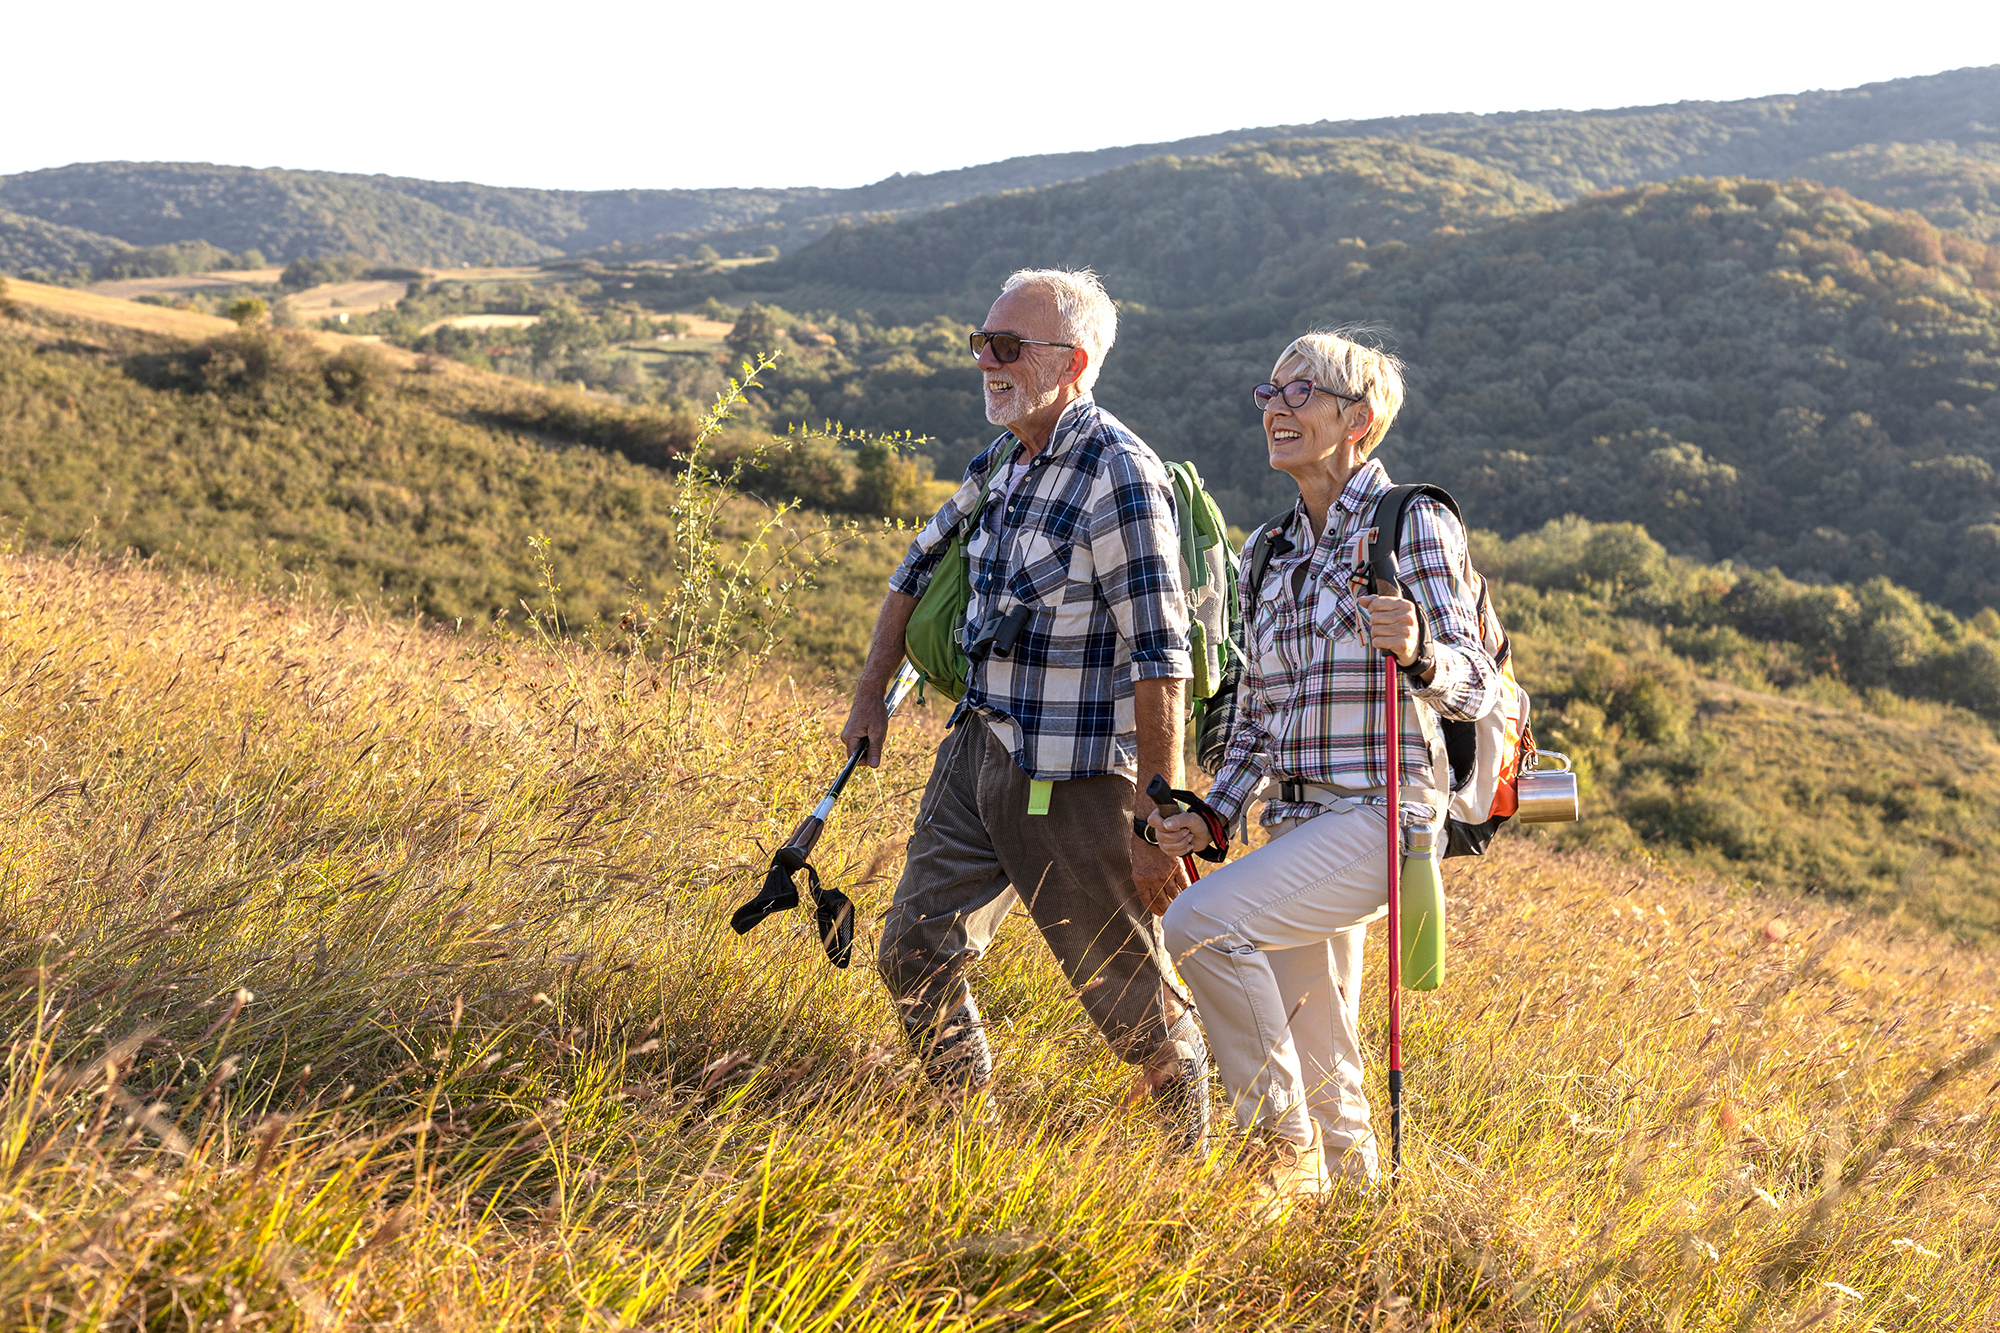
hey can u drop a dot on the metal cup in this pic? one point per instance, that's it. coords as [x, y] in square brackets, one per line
[1548, 795]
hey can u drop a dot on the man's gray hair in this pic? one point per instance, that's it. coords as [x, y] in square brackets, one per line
[1083, 309]
[1335, 359]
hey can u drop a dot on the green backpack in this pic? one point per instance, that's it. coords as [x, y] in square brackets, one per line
[931, 641]
[1208, 573]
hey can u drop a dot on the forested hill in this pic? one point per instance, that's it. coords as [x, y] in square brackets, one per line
[289, 214]
[1932, 143]
[1772, 374]
[1776, 374]
[1568, 153]
[1174, 231]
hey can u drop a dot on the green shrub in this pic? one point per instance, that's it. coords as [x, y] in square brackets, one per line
[313, 270]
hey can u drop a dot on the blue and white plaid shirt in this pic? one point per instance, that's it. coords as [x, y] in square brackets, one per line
[1088, 540]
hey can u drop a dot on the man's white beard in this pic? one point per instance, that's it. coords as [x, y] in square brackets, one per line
[1026, 399]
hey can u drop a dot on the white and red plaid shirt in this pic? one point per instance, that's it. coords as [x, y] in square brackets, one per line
[1311, 698]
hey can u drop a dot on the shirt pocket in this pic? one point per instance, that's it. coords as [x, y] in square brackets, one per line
[1336, 611]
[1041, 571]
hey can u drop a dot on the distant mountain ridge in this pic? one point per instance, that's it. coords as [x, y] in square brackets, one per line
[286, 214]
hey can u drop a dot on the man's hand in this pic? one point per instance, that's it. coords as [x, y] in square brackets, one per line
[1392, 624]
[1157, 877]
[1156, 707]
[868, 720]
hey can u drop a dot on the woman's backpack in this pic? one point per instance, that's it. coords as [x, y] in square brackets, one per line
[1487, 754]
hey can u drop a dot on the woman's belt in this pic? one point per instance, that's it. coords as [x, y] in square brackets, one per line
[1298, 791]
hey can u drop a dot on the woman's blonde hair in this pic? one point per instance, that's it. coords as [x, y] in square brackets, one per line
[1334, 360]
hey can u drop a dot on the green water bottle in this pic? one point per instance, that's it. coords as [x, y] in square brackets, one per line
[1423, 913]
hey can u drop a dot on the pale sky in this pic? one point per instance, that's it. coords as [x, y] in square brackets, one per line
[597, 94]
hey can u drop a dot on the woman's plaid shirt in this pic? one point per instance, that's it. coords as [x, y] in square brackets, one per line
[1088, 540]
[1311, 698]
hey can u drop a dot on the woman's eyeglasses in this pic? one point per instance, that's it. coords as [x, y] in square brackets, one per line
[1006, 347]
[1296, 394]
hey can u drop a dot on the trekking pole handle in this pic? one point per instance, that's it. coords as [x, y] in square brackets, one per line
[1389, 575]
[799, 847]
[1161, 794]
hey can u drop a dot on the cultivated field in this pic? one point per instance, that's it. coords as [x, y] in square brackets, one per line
[346, 298]
[124, 289]
[362, 975]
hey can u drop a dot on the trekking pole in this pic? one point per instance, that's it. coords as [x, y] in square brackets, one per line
[832, 907]
[1388, 570]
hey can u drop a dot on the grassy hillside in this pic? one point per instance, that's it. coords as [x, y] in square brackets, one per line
[1832, 741]
[282, 456]
[369, 975]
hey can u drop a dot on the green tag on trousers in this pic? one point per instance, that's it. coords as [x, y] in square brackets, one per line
[1038, 796]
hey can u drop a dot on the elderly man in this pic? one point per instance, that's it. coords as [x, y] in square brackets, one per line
[1078, 635]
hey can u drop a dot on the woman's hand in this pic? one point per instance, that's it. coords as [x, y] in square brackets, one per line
[1183, 834]
[1392, 625]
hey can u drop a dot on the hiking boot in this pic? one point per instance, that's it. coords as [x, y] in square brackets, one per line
[1289, 1172]
[957, 1061]
[1353, 1168]
[1181, 1096]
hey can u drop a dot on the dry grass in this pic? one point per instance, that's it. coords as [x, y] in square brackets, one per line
[360, 975]
[189, 325]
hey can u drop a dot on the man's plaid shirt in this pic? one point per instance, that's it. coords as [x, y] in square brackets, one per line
[1311, 697]
[1087, 539]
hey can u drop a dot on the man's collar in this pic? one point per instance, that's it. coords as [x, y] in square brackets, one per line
[1072, 424]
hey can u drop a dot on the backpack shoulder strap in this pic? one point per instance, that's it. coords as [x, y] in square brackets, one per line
[1271, 542]
[1387, 531]
[969, 521]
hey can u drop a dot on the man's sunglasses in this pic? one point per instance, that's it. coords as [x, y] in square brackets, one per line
[1296, 394]
[1006, 347]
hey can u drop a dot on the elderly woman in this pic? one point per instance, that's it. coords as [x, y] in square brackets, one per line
[1270, 945]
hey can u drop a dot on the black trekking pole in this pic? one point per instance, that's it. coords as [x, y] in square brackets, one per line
[835, 913]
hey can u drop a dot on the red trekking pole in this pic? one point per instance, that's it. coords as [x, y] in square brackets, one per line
[1392, 718]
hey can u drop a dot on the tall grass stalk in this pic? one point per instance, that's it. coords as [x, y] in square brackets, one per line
[360, 975]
